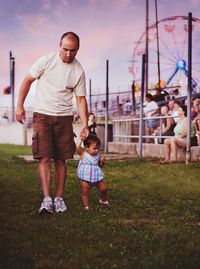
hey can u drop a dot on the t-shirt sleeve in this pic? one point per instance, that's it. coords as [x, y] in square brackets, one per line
[37, 69]
[80, 89]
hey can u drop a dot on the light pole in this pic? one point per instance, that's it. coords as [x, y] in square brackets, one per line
[12, 83]
[90, 94]
[107, 107]
[189, 90]
[158, 49]
[147, 48]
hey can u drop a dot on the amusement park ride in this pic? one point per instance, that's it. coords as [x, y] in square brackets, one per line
[173, 54]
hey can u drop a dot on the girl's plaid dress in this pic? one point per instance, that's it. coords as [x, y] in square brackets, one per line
[89, 170]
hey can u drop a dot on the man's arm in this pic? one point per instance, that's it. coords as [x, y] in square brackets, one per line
[24, 89]
[83, 112]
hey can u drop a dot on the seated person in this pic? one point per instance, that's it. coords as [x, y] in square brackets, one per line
[179, 140]
[173, 109]
[196, 123]
[194, 108]
[167, 127]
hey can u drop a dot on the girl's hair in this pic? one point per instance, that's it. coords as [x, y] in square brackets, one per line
[166, 107]
[184, 108]
[91, 139]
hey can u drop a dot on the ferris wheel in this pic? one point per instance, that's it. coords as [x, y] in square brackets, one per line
[173, 54]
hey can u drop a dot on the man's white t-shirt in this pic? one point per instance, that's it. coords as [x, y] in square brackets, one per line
[150, 109]
[57, 83]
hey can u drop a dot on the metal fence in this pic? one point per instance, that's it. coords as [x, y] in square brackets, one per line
[127, 130]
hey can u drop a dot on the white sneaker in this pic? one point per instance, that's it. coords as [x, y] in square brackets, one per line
[103, 202]
[46, 206]
[59, 205]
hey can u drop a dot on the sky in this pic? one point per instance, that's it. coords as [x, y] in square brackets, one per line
[109, 30]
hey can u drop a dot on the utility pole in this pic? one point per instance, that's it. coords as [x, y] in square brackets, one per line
[133, 97]
[12, 83]
[147, 48]
[90, 94]
[107, 107]
[141, 109]
[188, 149]
[158, 48]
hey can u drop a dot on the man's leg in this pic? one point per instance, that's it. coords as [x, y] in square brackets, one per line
[44, 170]
[61, 174]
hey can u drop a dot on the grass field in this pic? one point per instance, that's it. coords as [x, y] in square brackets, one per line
[153, 221]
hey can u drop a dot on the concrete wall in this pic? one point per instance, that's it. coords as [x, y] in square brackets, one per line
[150, 150]
[15, 133]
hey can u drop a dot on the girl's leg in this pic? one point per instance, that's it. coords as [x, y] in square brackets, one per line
[167, 147]
[85, 186]
[174, 148]
[175, 144]
[101, 186]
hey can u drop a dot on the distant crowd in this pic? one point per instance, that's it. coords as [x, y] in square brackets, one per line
[173, 126]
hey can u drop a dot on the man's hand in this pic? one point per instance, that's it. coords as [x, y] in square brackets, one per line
[24, 89]
[20, 115]
[84, 133]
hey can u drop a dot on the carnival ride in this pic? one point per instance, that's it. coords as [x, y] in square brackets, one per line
[173, 54]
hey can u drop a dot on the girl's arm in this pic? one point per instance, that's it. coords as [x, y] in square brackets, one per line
[79, 149]
[102, 161]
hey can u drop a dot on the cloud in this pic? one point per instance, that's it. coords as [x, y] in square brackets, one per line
[103, 38]
[194, 2]
[46, 5]
[32, 23]
[60, 8]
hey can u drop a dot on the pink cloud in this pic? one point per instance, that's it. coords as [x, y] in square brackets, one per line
[32, 23]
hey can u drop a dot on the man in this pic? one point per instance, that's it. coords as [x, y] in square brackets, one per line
[60, 76]
[151, 110]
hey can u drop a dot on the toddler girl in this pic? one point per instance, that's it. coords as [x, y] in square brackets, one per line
[89, 169]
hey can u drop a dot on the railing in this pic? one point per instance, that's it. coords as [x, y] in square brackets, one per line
[126, 129]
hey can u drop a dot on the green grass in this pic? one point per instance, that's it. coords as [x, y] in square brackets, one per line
[153, 221]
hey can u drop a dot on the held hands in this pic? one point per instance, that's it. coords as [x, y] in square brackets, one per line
[20, 115]
[84, 133]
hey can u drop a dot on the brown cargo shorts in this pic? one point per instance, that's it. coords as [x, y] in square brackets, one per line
[53, 137]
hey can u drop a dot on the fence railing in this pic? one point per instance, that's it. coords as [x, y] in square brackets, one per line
[127, 130]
